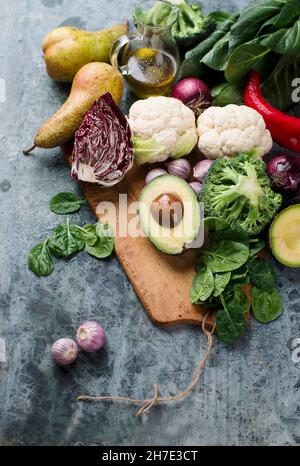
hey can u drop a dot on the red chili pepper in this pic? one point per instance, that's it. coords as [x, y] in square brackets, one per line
[285, 129]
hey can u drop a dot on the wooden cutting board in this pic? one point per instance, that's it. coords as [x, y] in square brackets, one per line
[161, 281]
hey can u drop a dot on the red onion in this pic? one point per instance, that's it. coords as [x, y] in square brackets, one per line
[201, 169]
[154, 174]
[180, 167]
[284, 172]
[64, 351]
[196, 186]
[90, 336]
[194, 93]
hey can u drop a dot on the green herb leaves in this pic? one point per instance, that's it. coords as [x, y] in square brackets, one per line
[65, 203]
[40, 260]
[266, 306]
[68, 239]
[224, 256]
[203, 286]
[104, 242]
[226, 267]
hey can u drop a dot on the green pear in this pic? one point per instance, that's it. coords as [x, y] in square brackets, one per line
[91, 82]
[67, 49]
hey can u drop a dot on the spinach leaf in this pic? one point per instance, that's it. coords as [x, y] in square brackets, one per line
[230, 322]
[104, 245]
[89, 233]
[221, 280]
[240, 300]
[217, 57]
[226, 93]
[284, 41]
[288, 14]
[65, 203]
[219, 16]
[224, 256]
[214, 224]
[66, 240]
[229, 234]
[277, 89]
[203, 285]
[40, 260]
[252, 19]
[255, 246]
[191, 66]
[262, 274]
[266, 306]
[245, 58]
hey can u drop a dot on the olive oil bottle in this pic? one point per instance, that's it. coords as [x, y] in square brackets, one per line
[151, 72]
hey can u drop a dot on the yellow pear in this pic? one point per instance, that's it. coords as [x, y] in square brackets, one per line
[66, 49]
[91, 82]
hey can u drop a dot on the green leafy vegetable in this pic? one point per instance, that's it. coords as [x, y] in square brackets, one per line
[105, 242]
[255, 245]
[252, 19]
[227, 93]
[262, 273]
[193, 65]
[266, 306]
[284, 41]
[66, 240]
[265, 36]
[65, 203]
[203, 285]
[230, 321]
[277, 88]
[244, 59]
[40, 260]
[225, 256]
[226, 291]
[221, 280]
[89, 233]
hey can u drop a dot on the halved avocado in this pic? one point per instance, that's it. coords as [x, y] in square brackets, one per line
[285, 236]
[169, 213]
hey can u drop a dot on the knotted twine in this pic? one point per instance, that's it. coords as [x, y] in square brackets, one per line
[149, 403]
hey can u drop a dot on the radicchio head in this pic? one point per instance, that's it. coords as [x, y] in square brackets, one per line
[103, 149]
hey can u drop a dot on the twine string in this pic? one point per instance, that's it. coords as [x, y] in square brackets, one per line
[148, 404]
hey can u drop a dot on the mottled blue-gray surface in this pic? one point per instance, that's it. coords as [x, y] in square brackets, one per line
[248, 394]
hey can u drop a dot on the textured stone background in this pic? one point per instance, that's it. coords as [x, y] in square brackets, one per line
[249, 393]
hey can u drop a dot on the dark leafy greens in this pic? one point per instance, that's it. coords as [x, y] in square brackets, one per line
[65, 203]
[265, 36]
[266, 305]
[226, 267]
[66, 240]
[40, 260]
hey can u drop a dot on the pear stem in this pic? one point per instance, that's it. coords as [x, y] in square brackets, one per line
[27, 151]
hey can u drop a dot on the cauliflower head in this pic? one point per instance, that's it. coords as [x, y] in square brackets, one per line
[162, 127]
[232, 130]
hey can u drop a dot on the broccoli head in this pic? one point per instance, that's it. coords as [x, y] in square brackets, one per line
[239, 191]
[191, 26]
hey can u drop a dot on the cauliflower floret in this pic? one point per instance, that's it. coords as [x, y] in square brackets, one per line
[162, 127]
[231, 130]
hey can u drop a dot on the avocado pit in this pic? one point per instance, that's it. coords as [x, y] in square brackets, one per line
[167, 210]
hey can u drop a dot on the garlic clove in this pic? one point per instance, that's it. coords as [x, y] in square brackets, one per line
[196, 186]
[180, 167]
[64, 351]
[90, 336]
[201, 169]
[154, 174]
